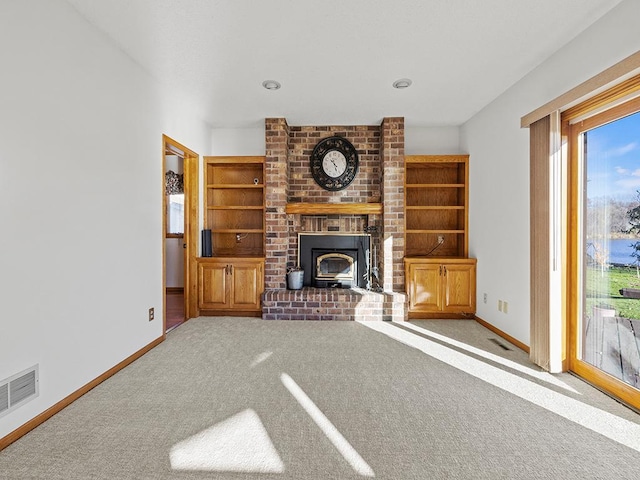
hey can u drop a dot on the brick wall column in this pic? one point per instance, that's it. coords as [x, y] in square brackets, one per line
[392, 188]
[276, 187]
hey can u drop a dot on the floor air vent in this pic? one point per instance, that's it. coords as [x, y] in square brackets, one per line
[499, 343]
[18, 389]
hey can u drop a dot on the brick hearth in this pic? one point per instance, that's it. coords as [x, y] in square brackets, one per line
[380, 179]
[331, 304]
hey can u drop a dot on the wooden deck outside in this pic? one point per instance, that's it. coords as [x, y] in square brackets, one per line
[612, 344]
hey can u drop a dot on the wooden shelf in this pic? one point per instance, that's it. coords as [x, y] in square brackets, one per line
[436, 204]
[234, 204]
[435, 207]
[233, 161]
[334, 208]
[435, 185]
[235, 207]
[235, 185]
[237, 230]
[430, 160]
[435, 231]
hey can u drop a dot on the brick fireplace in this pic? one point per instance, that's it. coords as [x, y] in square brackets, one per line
[372, 204]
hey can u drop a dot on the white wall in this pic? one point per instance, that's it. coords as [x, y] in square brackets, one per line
[80, 163]
[418, 141]
[174, 262]
[238, 141]
[499, 164]
[432, 141]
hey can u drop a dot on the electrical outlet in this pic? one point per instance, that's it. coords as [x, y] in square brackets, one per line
[499, 305]
[485, 298]
[151, 314]
[505, 307]
[238, 238]
[440, 238]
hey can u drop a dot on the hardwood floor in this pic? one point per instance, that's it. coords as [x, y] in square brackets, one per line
[175, 310]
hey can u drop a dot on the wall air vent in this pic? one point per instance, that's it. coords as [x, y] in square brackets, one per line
[4, 398]
[18, 389]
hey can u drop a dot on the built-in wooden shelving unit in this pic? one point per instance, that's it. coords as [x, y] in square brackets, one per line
[436, 205]
[234, 205]
[439, 276]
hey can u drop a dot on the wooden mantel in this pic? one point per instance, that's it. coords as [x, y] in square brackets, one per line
[334, 208]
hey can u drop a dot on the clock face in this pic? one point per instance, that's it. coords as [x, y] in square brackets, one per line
[334, 163]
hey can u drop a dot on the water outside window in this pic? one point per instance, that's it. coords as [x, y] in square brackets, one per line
[611, 242]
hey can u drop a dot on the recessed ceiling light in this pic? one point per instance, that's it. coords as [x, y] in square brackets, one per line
[271, 85]
[402, 83]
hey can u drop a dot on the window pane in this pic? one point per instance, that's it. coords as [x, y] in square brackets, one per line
[611, 242]
[175, 214]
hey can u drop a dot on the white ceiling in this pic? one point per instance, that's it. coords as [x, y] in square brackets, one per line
[337, 59]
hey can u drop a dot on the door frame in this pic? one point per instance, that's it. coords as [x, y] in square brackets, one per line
[572, 132]
[191, 162]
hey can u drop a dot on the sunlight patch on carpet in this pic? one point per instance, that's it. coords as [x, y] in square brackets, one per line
[611, 426]
[237, 444]
[260, 358]
[349, 453]
[540, 375]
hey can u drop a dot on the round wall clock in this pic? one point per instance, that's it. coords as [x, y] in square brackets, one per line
[334, 163]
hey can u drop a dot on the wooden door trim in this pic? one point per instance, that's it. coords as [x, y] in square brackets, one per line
[590, 373]
[191, 182]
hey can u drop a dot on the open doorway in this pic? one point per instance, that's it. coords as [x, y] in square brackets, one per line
[174, 237]
[180, 167]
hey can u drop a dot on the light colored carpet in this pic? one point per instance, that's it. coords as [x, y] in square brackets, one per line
[236, 398]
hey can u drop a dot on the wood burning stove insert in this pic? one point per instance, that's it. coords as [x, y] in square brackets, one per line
[335, 261]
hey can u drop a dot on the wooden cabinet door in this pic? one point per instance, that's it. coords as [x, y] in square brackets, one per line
[459, 287]
[214, 286]
[247, 285]
[424, 287]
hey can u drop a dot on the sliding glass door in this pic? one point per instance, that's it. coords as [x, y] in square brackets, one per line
[605, 282]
